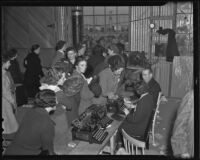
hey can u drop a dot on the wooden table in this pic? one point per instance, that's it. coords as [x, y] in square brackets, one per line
[84, 148]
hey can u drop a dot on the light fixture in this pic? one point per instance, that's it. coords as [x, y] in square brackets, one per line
[152, 25]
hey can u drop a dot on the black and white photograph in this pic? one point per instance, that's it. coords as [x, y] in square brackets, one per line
[99, 80]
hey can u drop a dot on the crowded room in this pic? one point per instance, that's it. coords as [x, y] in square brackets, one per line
[98, 80]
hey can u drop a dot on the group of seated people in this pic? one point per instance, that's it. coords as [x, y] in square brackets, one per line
[74, 82]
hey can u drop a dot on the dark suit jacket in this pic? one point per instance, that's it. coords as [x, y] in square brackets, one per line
[136, 122]
[35, 133]
[154, 89]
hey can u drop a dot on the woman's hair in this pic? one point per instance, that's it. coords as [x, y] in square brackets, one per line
[69, 49]
[121, 47]
[80, 45]
[5, 58]
[115, 62]
[98, 50]
[114, 48]
[45, 98]
[79, 59]
[12, 53]
[34, 47]
[60, 45]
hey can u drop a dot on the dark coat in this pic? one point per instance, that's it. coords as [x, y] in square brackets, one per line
[136, 122]
[71, 103]
[15, 72]
[172, 49]
[57, 58]
[154, 89]
[35, 134]
[33, 71]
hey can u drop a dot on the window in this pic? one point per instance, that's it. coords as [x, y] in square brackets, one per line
[184, 28]
[103, 21]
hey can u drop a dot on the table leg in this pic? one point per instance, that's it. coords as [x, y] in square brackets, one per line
[112, 145]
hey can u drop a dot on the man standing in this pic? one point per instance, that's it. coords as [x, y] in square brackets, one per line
[154, 87]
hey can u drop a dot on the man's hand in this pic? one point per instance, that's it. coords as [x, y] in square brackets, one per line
[126, 111]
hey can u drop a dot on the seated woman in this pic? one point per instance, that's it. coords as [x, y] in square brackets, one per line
[36, 131]
[136, 122]
[109, 79]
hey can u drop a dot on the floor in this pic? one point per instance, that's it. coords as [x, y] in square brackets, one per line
[163, 128]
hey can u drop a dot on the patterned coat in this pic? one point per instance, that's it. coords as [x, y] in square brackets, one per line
[182, 140]
[9, 123]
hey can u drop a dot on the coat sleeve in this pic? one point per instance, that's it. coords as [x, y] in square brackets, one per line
[47, 137]
[103, 82]
[154, 91]
[6, 90]
[86, 93]
[143, 109]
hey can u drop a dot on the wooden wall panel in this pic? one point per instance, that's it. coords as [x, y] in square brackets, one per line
[39, 32]
[16, 26]
[25, 26]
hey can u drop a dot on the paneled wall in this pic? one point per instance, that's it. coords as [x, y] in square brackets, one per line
[143, 38]
[25, 26]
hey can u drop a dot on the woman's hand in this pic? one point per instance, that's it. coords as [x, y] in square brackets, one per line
[111, 95]
[126, 111]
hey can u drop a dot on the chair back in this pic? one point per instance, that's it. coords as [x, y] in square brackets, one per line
[154, 117]
[131, 144]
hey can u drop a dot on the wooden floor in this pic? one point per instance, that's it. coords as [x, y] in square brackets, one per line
[163, 128]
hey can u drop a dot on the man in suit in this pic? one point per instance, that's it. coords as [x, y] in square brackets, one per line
[137, 121]
[154, 87]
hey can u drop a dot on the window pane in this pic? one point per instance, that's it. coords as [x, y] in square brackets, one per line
[184, 7]
[123, 10]
[87, 10]
[123, 19]
[111, 10]
[110, 21]
[183, 44]
[99, 20]
[99, 10]
[88, 24]
[184, 23]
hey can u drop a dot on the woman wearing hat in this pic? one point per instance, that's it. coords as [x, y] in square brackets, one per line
[36, 132]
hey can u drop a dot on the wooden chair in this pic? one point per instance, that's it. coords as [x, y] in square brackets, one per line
[132, 144]
[154, 118]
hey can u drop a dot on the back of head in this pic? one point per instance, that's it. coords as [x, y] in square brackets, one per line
[98, 50]
[114, 48]
[34, 47]
[115, 62]
[12, 53]
[60, 45]
[5, 58]
[45, 98]
[121, 47]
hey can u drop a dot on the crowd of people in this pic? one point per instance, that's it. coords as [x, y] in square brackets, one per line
[75, 81]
